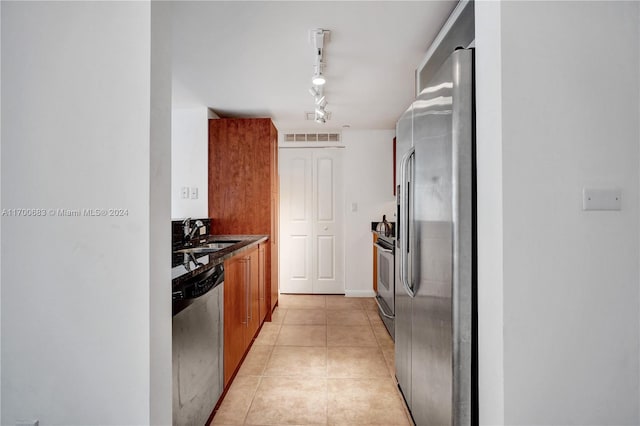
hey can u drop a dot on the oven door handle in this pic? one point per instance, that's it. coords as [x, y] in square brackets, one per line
[386, 250]
[382, 309]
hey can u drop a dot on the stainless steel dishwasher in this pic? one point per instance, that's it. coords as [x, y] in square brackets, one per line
[198, 340]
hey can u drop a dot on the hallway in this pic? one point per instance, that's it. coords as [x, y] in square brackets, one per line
[324, 360]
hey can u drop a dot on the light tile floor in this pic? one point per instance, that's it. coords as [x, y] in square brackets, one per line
[323, 360]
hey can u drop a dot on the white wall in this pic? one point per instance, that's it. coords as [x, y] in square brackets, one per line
[0, 216]
[189, 158]
[368, 182]
[489, 214]
[76, 291]
[568, 117]
[160, 306]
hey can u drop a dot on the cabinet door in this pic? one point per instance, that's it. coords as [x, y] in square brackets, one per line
[272, 255]
[253, 295]
[261, 283]
[235, 315]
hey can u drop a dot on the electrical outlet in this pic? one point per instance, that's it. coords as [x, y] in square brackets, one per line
[601, 199]
[194, 192]
[184, 192]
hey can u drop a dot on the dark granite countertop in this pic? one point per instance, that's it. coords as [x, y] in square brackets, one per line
[209, 259]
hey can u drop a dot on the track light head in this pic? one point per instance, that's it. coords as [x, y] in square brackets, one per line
[318, 79]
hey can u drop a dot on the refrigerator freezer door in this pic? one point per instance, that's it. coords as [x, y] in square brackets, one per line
[403, 300]
[441, 219]
[463, 236]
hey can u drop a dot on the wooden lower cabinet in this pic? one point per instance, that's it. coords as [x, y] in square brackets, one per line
[263, 299]
[242, 307]
[235, 314]
[253, 288]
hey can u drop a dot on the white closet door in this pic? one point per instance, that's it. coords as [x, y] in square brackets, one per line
[296, 220]
[311, 221]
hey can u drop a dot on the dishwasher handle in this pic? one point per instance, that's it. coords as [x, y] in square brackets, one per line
[382, 310]
[384, 249]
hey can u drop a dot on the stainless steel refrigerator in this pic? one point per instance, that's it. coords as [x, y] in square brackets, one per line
[435, 275]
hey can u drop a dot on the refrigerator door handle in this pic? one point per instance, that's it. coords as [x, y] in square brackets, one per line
[405, 220]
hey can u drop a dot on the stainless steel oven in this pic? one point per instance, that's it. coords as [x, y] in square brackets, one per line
[386, 281]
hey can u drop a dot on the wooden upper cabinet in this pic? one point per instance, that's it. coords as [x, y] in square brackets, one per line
[243, 182]
[239, 175]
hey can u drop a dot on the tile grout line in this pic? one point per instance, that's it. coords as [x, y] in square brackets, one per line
[261, 376]
[246, 415]
[264, 368]
[326, 368]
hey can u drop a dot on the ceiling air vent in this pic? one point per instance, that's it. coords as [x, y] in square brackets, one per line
[311, 137]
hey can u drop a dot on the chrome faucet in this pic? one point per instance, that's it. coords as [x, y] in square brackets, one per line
[188, 230]
[188, 258]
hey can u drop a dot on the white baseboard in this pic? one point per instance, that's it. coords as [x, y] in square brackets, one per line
[359, 293]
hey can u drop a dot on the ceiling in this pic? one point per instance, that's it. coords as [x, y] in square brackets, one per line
[254, 59]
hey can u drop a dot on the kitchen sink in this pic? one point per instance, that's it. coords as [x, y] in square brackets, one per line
[209, 247]
[219, 245]
[194, 250]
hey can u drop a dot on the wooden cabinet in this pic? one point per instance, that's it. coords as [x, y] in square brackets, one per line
[242, 316]
[262, 291]
[243, 187]
[235, 314]
[253, 298]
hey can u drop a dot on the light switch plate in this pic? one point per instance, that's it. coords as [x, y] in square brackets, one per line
[194, 192]
[28, 423]
[601, 199]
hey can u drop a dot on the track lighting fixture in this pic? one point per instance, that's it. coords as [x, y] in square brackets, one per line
[318, 37]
